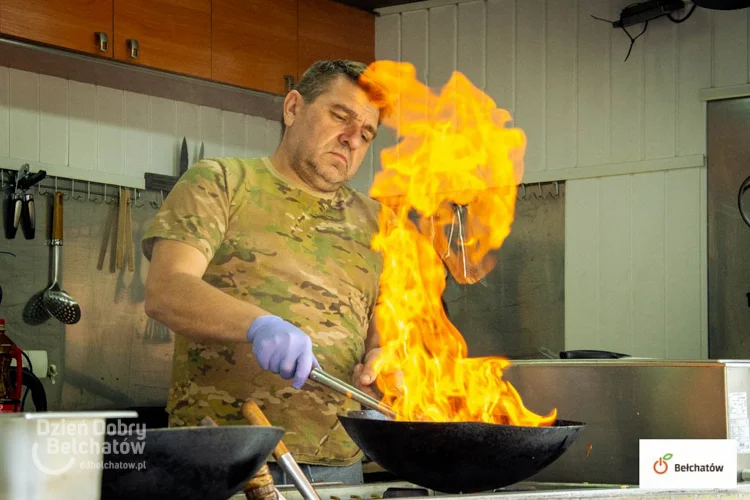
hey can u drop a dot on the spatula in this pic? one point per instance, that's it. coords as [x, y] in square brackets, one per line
[56, 300]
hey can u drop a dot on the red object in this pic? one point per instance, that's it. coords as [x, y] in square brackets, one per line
[10, 407]
[16, 354]
[11, 402]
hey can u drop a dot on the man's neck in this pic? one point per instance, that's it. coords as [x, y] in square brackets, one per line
[283, 166]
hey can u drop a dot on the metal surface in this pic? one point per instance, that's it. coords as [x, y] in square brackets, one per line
[519, 308]
[134, 48]
[349, 391]
[103, 41]
[187, 462]
[377, 490]
[298, 477]
[728, 235]
[56, 300]
[458, 457]
[624, 400]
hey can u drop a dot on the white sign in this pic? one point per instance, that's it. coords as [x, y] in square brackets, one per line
[687, 463]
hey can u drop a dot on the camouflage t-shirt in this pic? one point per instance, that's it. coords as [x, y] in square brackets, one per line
[298, 255]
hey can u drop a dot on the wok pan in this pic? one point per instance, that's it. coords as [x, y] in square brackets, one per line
[458, 457]
[450, 457]
[187, 462]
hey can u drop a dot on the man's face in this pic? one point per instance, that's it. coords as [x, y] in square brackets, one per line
[328, 138]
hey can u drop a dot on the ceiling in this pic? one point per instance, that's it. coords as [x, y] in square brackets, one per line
[370, 5]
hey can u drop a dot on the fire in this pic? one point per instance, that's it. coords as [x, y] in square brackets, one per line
[457, 161]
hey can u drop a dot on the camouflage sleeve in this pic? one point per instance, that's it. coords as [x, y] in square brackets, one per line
[196, 211]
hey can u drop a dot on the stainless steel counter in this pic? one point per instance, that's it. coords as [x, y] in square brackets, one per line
[624, 400]
[523, 490]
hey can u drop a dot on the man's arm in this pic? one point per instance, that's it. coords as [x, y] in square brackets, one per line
[177, 297]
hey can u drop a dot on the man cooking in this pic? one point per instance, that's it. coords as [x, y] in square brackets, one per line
[264, 270]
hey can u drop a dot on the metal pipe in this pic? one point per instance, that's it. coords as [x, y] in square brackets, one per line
[350, 392]
[298, 477]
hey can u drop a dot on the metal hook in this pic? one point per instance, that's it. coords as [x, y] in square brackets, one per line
[540, 195]
[523, 191]
[135, 199]
[108, 202]
[154, 203]
[95, 199]
[557, 191]
[73, 191]
[8, 253]
[63, 194]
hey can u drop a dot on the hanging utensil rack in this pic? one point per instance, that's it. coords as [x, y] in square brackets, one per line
[554, 190]
[88, 191]
[158, 186]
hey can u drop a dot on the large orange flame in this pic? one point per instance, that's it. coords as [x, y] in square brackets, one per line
[456, 161]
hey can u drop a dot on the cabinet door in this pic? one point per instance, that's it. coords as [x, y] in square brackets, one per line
[172, 35]
[330, 30]
[69, 24]
[255, 43]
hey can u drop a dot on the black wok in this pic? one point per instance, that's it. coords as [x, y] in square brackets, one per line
[460, 457]
[187, 462]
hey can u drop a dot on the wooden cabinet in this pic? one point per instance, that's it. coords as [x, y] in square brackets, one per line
[262, 45]
[329, 30]
[255, 43]
[71, 24]
[173, 35]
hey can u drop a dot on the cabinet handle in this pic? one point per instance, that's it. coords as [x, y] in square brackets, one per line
[289, 79]
[133, 47]
[103, 40]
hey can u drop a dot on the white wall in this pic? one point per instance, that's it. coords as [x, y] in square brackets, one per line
[628, 136]
[101, 134]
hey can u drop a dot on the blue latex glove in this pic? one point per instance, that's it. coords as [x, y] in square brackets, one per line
[282, 348]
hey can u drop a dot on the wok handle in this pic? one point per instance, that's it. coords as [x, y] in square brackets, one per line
[591, 354]
[260, 486]
[350, 392]
[254, 415]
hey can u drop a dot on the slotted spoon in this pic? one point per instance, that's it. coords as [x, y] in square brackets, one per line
[56, 300]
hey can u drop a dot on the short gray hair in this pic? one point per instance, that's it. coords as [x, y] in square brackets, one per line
[318, 77]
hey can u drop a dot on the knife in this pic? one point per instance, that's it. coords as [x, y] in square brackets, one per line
[183, 157]
[200, 153]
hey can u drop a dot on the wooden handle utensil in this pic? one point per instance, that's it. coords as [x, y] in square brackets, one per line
[57, 217]
[254, 415]
[261, 486]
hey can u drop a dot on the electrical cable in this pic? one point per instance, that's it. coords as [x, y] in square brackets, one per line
[31, 367]
[687, 16]
[38, 395]
[633, 39]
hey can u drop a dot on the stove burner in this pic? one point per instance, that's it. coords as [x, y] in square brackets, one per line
[405, 492]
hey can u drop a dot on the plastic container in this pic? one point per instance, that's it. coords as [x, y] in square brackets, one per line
[53, 455]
